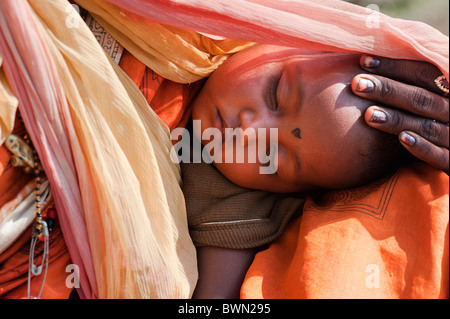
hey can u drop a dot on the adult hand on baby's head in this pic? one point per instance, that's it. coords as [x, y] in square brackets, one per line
[412, 105]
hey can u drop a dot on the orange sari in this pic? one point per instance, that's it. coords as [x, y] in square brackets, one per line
[385, 240]
[169, 100]
[14, 260]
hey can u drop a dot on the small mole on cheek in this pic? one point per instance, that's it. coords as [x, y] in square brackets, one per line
[296, 133]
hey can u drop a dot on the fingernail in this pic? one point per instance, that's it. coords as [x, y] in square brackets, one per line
[371, 62]
[407, 139]
[365, 85]
[378, 116]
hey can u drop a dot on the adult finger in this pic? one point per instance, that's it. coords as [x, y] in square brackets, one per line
[407, 97]
[438, 157]
[395, 122]
[417, 73]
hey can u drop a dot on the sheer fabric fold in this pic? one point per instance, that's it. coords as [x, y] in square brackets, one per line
[8, 107]
[178, 54]
[328, 25]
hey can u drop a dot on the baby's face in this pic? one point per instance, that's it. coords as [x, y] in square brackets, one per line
[322, 140]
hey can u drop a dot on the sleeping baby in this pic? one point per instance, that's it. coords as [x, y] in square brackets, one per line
[300, 104]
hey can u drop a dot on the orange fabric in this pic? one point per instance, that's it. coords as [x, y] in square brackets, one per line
[12, 179]
[14, 269]
[385, 240]
[14, 261]
[169, 100]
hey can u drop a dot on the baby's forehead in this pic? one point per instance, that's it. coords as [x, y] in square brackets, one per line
[261, 54]
[258, 57]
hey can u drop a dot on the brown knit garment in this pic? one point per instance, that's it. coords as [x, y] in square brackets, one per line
[222, 214]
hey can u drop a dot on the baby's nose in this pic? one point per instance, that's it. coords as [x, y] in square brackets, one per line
[256, 118]
[247, 118]
[254, 125]
[249, 125]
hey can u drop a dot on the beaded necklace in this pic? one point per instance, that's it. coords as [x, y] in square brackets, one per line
[39, 233]
[24, 155]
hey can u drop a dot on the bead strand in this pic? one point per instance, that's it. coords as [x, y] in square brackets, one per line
[39, 219]
[40, 229]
